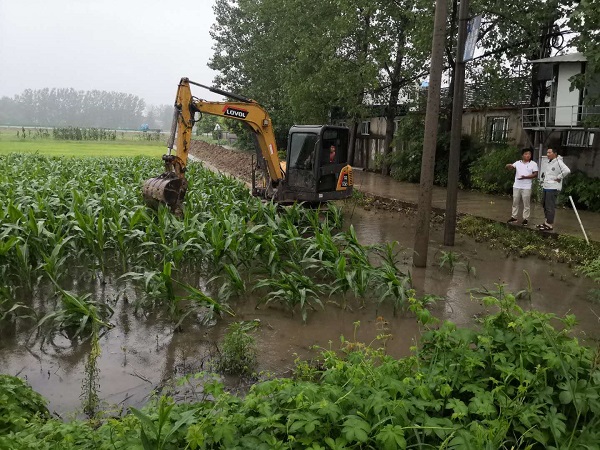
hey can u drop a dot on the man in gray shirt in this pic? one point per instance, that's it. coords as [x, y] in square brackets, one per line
[553, 175]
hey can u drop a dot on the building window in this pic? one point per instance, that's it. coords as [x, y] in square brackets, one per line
[365, 127]
[497, 129]
[577, 138]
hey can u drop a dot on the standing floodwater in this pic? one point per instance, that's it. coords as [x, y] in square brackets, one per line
[142, 353]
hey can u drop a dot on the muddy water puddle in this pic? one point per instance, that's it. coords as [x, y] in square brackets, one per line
[555, 287]
[140, 354]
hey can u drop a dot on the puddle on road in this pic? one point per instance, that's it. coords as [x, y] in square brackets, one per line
[139, 354]
[555, 287]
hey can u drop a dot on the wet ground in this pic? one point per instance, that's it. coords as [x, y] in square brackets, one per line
[141, 354]
[494, 207]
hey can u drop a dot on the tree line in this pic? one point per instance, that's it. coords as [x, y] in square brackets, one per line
[56, 107]
[304, 59]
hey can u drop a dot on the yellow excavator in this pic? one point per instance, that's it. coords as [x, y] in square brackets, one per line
[316, 168]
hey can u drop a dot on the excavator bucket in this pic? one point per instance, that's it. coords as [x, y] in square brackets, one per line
[168, 189]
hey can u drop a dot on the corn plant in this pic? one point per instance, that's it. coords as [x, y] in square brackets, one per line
[232, 284]
[195, 300]
[90, 224]
[393, 286]
[334, 217]
[24, 265]
[323, 246]
[157, 436]
[157, 285]
[342, 279]
[10, 309]
[449, 259]
[55, 263]
[292, 289]
[77, 315]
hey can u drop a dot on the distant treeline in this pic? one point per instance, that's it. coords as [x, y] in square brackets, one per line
[82, 134]
[69, 107]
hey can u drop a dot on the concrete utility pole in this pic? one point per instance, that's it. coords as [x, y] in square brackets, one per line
[456, 132]
[431, 131]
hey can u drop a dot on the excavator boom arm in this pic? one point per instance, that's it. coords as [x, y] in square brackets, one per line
[170, 187]
[243, 109]
[258, 120]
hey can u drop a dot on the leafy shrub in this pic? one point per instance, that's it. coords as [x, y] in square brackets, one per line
[489, 174]
[239, 351]
[470, 151]
[18, 404]
[405, 163]
[584, 190]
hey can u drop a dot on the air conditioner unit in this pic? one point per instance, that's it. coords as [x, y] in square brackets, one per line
[577, 138]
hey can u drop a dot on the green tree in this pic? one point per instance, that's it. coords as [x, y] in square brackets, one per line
[513, 33]
[586, 22]
[303, 59]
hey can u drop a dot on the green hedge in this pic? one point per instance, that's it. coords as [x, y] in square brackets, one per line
[489, 173]
[584, 190]
[405, 164]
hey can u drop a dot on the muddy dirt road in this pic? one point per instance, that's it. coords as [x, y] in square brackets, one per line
[233, 162]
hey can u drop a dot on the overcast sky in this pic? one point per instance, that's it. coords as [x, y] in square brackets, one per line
[141, 47]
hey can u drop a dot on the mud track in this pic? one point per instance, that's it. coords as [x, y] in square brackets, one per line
[233, 162]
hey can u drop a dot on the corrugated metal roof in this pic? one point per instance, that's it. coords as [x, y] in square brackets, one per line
[572, 57]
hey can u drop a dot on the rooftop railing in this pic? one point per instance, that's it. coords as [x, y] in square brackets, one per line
[576, 116]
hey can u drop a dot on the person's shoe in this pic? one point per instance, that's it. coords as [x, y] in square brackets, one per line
[524, 223]
[511, 220]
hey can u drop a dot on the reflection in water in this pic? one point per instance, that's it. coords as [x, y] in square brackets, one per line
[141, 353]
[91, 383]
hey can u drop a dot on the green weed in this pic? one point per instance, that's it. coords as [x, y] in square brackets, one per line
[449, 259]
[515, 382]
[238, 353]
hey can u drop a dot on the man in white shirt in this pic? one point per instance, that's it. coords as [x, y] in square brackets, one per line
[527, 170]
[554, 173]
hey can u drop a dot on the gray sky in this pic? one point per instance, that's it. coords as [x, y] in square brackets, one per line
[141, 47]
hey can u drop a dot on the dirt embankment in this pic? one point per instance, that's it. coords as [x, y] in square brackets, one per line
[233, 162]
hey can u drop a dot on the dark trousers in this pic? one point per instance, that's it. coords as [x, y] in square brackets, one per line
[549, 204]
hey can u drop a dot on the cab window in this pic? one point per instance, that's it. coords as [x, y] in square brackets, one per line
[302, 151]
[339, 140]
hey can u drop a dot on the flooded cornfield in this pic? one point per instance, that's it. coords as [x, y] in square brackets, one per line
[143, 352]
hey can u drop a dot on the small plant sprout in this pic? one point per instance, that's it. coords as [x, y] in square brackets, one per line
[449, 259]
[527, 293]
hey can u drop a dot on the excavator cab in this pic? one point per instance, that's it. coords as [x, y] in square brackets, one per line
[317, 167]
